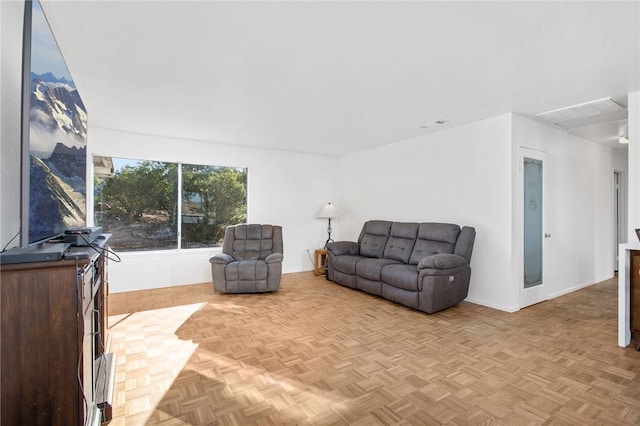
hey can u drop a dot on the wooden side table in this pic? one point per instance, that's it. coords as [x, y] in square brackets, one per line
[319, 260]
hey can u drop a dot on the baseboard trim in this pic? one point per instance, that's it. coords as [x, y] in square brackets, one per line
[508, 309]
[512, 309]
[577, 287]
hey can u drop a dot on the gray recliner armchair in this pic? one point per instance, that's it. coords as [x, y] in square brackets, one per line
[251, 259]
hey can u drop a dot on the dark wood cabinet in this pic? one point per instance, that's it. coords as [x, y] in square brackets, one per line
[53, 340]
[634, 302]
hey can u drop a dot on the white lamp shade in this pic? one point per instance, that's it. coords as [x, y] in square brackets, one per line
[329, 211]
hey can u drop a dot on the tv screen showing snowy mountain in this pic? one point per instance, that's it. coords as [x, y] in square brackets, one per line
[57, 139]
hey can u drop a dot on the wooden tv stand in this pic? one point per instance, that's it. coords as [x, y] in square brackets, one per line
[55, 369]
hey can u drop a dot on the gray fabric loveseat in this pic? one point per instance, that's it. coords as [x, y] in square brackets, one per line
[424, 266]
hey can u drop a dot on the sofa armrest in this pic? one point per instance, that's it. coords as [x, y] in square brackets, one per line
[274, 257]
[339, 248]
[464, 244]
[221, 258]
[442, 261]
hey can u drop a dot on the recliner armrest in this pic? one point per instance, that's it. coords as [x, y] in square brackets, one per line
[339, 248]
[442, 261]
[274, 257]
[221, 258]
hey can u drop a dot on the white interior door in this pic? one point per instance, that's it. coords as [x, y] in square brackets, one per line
[535, 235]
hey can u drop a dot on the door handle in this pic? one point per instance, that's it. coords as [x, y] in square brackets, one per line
[547, 235]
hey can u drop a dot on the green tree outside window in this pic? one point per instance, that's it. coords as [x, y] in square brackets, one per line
[138, 204]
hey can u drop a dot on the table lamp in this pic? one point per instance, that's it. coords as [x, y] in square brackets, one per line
[329, 211]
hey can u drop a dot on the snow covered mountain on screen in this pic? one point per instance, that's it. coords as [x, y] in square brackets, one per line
[58, 140]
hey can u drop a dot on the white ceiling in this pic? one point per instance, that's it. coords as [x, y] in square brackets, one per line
[338, 77]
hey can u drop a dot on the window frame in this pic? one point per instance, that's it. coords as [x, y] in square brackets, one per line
[179, 199]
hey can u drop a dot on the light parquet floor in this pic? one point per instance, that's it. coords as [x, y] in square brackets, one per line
[320, 354]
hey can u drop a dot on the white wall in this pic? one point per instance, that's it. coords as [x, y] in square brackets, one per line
[284, 188]
[460, 175]
[579, 197]
[11, 20]
[465, 175]
[469, 175]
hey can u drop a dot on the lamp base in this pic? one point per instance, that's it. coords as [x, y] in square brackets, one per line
[329, 232]
[328, 241]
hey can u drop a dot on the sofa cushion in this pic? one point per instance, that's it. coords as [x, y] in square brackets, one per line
[401, 276]
[347, 280]
[246, 270]
[402, 238]
[434, 238]
[346, 264]
[398, 295]
[252, 242]
[373, 238]
[371, 268]
[370, 286]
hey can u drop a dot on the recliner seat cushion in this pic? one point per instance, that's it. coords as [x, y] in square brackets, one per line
[371, 268]
[348, 280]
[398, 295]
[346, 264]
[401, 276]
[246, 270]
[369, 286]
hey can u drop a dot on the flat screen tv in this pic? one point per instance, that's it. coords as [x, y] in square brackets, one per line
[54, 137]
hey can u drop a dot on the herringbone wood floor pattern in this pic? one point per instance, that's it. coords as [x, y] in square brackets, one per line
[320, 354]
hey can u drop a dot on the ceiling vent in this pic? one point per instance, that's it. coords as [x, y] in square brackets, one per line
[585, 114]
[433, 124]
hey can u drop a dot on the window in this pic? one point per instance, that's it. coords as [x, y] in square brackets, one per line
[212, 198]
[137, 202]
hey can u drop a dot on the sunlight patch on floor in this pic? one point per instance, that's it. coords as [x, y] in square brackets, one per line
[146, 342]
[259, 386]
